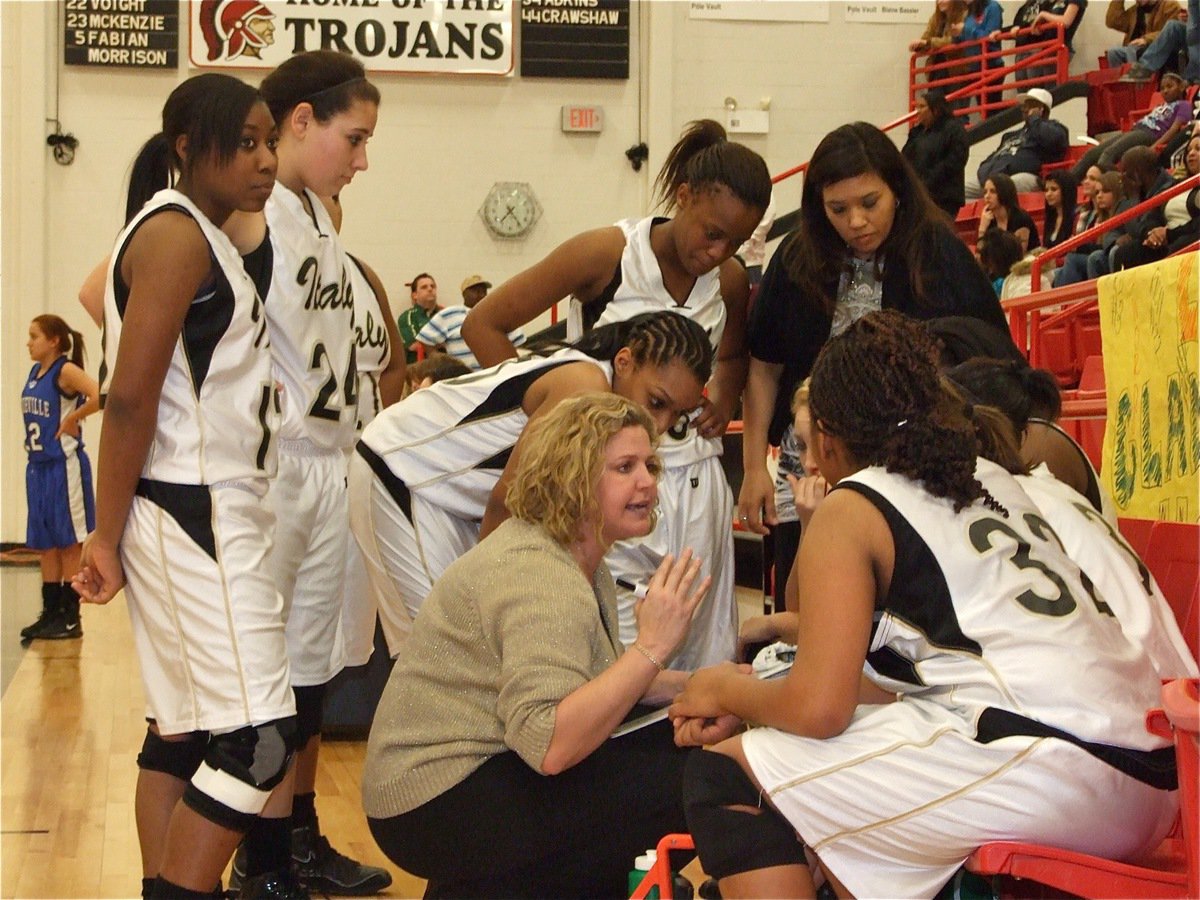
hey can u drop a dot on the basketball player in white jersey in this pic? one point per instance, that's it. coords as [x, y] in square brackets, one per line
[1003, 699]
[186, 452]
[326, 110]
[430, 474]
[718, 191]
[381, 380]
[1098, 548]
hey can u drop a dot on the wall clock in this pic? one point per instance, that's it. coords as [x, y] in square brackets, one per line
[510, 209]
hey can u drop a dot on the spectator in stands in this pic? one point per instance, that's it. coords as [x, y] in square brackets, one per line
[1144, 178]
[423, 291]
[1174, 37]
[1157, 128]
[1061, 193]
[937, 150]
[1040, 16]
[1109, 200]
[1019, 282]
[998, 252]
[939, 32]
[1140, 22]
[1085, 213]
[1023, 151]
[861, 205]
[983, 19]
[1002, 210]
[1173, 225]
[1174, 155]
[443, 332]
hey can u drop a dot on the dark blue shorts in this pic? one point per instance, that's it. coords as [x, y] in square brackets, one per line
[62, 509]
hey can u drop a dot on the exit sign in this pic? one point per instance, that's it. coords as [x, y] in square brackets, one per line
[582, 118]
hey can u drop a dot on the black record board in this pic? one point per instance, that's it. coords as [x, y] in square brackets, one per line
[125, 33]
[575, 38]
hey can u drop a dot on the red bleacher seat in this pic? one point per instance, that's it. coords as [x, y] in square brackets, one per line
[1137, 533]
[1057, 354]
[1173, 556]
[1173, 870]
[1089, 432]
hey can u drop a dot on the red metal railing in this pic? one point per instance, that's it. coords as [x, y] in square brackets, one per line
[946, 71]
[1091, 234]
[1051, 51]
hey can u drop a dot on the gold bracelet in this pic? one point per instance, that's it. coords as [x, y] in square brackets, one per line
[650, 656]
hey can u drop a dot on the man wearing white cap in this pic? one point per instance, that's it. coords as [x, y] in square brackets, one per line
[443, 331]
[1023, 151]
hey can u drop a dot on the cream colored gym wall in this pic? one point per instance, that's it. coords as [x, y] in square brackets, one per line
[25, 36]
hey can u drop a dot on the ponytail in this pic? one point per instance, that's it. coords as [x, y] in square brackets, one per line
[704, 158]
[1017, 390]
[993, 430]
[151, 172]
[76, 348]
[210, 111]
[70, 342]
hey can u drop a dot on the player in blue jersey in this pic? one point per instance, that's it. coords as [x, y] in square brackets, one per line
[57, 396]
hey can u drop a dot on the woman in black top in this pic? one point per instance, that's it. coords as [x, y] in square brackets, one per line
[1062, 195]
[1001, 209]
[869, 237]
[937, 150]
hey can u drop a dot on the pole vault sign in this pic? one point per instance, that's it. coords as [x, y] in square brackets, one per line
[126, 33]
[431, 37]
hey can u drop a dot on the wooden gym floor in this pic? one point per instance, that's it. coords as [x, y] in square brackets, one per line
[71, 725]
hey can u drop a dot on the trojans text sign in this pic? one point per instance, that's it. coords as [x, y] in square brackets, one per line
[448, 37]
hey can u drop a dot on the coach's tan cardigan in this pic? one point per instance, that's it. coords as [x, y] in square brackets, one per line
[509, 630]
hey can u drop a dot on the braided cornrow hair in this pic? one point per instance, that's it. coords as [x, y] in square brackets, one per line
[655, 338]
[876, 388]
[704, 157]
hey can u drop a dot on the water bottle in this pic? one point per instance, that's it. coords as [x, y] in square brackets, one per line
[641, 866]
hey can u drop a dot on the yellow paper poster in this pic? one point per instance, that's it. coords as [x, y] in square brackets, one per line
[1152, 442]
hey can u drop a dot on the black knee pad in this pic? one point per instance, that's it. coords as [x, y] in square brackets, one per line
[731, 841]
[240, 770]
[180, 758]
[310, 712]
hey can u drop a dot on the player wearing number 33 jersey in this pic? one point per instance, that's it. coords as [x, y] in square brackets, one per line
[997, 643]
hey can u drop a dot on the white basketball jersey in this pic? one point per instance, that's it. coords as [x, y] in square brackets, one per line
[218, 410]
[639, 289]
[449, 442]
[986, 614]
[1119, 575]
[371, 351]
[310, 311]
